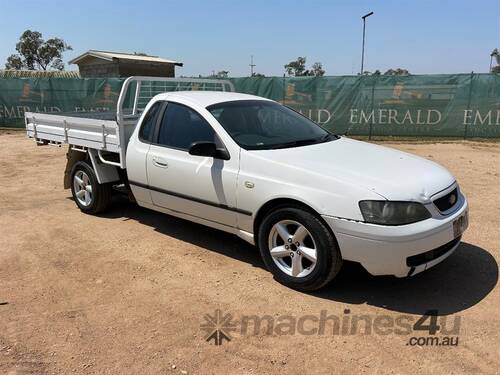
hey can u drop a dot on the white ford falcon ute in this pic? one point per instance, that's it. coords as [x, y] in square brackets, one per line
[307, 198]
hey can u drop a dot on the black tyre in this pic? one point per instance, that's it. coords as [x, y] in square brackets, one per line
[298, 248]
[90, 196]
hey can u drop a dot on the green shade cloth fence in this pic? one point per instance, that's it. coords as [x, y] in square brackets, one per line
[458, 105]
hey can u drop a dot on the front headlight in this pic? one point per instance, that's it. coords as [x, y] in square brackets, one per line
[393, 213]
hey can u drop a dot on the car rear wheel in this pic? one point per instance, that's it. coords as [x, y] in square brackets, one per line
[90, 196]
[298, 248]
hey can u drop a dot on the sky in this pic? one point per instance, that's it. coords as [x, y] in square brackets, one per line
[423, 36]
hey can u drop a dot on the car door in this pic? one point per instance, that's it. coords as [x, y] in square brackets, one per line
[137, 153]
[203, 187]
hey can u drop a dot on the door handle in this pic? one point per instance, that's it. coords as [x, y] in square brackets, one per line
[159, 162]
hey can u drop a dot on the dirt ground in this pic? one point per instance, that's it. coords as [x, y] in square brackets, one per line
[128, 291]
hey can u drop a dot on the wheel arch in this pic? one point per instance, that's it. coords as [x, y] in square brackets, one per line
[276, 203]
[105, 173]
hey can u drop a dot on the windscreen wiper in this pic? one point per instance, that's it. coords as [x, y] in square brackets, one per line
[298, 143]
[304, 142]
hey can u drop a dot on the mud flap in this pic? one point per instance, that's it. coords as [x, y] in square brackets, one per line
[105, 173]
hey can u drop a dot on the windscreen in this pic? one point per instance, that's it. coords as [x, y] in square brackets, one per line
[261, 125]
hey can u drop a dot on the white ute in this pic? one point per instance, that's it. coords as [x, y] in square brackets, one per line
[250, 166]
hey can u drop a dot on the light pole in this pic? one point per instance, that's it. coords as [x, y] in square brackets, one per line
[363, 48]
[252, 65]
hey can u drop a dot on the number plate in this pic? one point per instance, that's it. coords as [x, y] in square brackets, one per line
[460, 224]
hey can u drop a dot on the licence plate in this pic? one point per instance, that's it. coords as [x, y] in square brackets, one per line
[460, 224]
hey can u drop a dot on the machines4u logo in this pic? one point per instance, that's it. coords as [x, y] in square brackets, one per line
[218, 327]
[430, 329]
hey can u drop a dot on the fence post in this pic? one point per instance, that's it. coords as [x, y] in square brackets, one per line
[468, 101]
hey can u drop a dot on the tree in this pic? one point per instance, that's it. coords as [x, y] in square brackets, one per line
[368, 73]
[14, 62]
[35, 53]
[296, 68]
[397, 72]
[317, 70]
[258, 75]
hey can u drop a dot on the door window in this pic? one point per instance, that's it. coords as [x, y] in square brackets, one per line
[148, 124]
[181, 126]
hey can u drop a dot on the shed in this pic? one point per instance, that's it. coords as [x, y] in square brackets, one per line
[94, 64]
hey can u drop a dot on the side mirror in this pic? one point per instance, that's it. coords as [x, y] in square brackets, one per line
[208, 149]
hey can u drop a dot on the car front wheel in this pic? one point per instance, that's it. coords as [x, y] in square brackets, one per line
[298, 248]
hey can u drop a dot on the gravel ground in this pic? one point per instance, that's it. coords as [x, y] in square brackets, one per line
[126, 292]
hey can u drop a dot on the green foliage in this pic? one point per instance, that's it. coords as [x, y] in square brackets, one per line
[35, 53]
[317, 70]
[397, 72]
[297, 68]
[14, 62]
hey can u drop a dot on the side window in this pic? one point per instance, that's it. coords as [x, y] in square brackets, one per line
[181, 126]
[149, 122]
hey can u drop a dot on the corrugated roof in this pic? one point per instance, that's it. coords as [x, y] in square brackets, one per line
[11, 73]
[108, 55]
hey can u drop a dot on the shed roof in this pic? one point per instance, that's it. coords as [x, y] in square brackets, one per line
[110, 56]
[11, 73]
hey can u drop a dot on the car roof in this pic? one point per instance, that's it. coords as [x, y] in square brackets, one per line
[207, 98]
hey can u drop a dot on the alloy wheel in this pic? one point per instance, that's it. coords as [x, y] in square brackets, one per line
[292, 248]
[83, 188]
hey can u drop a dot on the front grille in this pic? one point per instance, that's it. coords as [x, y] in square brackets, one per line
[447, 201]
[417, 260]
